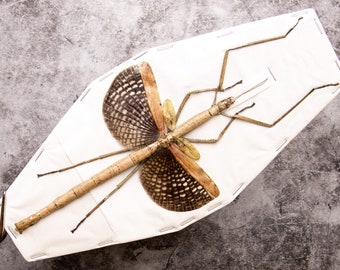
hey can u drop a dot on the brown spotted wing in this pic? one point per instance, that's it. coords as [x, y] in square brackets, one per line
[132, 112]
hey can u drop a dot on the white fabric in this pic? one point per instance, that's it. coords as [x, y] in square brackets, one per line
[289, 69]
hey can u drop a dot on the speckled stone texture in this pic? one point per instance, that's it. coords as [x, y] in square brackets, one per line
[288, 218]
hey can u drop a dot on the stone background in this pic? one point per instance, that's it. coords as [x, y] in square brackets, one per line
[288, 218]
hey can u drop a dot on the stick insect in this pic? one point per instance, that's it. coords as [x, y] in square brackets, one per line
[168, 171]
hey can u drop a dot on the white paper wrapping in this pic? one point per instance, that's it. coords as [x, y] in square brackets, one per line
[289, 68]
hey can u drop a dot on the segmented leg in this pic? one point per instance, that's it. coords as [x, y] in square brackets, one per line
[222, 132]
[269, 125]
[255, 121]
[135, 169]
[226, 55]
[219, 88]
[220, 85]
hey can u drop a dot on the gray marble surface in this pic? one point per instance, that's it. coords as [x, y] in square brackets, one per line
[288, 218]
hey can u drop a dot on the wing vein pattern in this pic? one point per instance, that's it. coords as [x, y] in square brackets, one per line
[126, 111]
[170, 185]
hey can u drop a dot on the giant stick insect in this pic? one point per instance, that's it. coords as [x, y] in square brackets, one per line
[168, 171]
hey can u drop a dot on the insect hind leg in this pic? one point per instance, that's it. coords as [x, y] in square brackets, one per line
[241, 117]
[119, 185]
[220, 135]
[270, 125]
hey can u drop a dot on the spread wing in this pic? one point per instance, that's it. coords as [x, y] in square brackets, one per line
[133, 114]
[169, 184]
[126, 109]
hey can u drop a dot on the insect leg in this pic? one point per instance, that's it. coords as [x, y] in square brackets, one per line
[226, 55]
[231, 120]
[85, 162]
[269, 125]
[219, 88]
[120, 184]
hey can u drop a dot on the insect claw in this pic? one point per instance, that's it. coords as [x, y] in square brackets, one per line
[3, 233]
